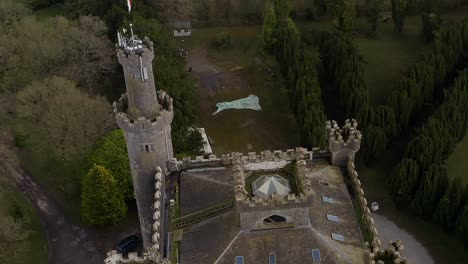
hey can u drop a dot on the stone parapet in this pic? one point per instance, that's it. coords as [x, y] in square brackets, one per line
[113, 257]
[367, 219]
[158, 193]
[343, 142]
[142, 124]
[247, 203]
[251, 157]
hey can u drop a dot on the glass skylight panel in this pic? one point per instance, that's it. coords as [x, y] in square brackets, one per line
[316, 255]
[333, 218]
[337, 237]
[327, 199]
[272, 258]
[239, 259]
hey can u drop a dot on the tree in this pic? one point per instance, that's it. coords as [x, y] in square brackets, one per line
[13, 238]
[10, 12]
[65, 120]
[111, 152]
[269, 25]
[430, 25]
[461, 226]
[374, 8]
[374, 143]
[404, 181]
[102, 203]
[344, 12]
[430, 191]
[78, 50]
[399, 11]
[450, 204]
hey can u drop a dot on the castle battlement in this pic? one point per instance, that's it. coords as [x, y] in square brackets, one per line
[343, 142]
[142, 124]
[251, 157]
[243, 168]
[150, 256]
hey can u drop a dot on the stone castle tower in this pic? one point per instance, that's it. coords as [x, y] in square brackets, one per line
[145, 115]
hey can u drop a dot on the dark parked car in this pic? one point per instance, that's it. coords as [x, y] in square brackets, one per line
[129, 244]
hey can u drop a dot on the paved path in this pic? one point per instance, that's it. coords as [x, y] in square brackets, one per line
[67, 243]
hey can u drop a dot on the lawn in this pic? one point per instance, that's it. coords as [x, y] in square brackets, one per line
[457, 164]
[386, 55]
[245, 72]
[14, 200]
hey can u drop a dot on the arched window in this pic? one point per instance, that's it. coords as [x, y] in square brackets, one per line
[272, 219]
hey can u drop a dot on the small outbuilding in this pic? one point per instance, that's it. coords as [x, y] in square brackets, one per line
[182, 29]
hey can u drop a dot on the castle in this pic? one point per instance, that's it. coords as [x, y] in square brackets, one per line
[290, 206]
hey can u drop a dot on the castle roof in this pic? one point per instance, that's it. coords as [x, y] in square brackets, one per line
[219, 239]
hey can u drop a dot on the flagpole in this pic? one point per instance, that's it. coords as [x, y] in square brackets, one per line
[129, 4]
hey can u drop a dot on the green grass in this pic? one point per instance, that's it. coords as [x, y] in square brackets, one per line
[456, 164]
[62, 179]
[51, 11]
[37, 249]
[272, 128]
[386, 55]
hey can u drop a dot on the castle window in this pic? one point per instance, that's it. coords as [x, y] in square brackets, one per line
[274, 219]
[147, 148]
[145, 74]
[323, 183]
[137, 75]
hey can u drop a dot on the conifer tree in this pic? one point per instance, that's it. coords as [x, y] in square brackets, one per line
[269, 26]
[461, 227]
[450, 204]
[430, 191]
[399, 10]
[102, 203]
[111, 152]
[373, 143]
[404, 180]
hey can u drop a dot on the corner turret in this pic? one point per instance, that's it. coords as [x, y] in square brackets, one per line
[343, 142]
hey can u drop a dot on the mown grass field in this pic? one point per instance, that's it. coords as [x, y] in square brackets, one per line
[246, 72]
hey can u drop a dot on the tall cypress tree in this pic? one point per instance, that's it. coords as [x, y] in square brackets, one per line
[102, 202]
[450, 204]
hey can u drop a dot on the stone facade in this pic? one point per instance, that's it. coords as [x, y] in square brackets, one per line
[145, 116]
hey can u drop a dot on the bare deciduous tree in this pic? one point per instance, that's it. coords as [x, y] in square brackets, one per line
[65, 120]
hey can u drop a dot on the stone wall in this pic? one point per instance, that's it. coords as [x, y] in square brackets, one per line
[374, 252]
[251, 157]
[367, 219]
[113, 257]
